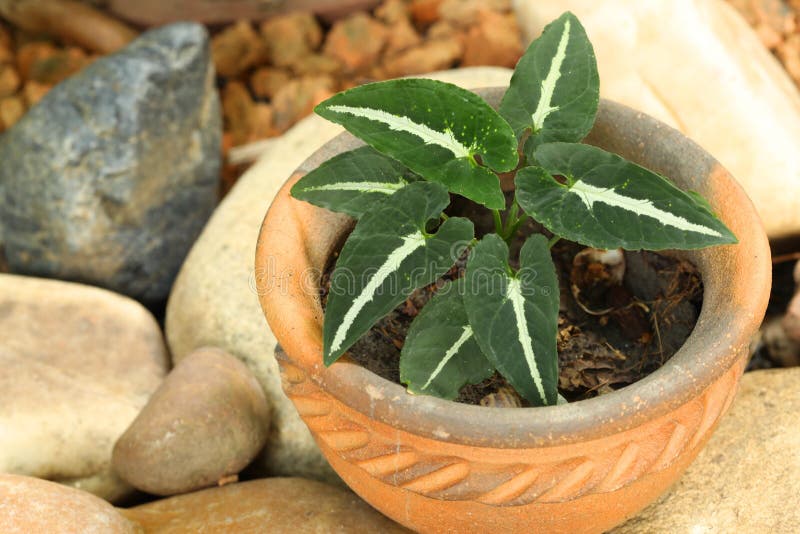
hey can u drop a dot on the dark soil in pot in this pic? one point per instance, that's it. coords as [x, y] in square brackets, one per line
[614, 328]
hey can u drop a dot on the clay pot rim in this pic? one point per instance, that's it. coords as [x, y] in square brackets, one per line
[735, 300]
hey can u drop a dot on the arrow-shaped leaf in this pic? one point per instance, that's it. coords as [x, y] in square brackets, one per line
[388, 255]
[514, 315]
[440, 354]
[353, 181]
[555, 88]
[434, 128]
[609, 202]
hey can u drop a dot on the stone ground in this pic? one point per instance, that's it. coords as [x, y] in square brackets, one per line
[86, 400]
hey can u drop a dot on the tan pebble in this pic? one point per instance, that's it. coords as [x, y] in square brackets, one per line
[356, 41]
[297, 99]
[236, 49]
[316, 64]
[789, 54]
[5, 37]
[35, 91]
[425, 12]
[290, 37]
[12, 108]
[504, 397]
[776, 14]
[9, 80]
[237, 109]
[57, 67]
[6, 55]
[495, 40]
[469, 12]
[767, 35]
[392, 12]
[265, 81]
[32, 53]
[401, 37]
[262, 122]
[433, 55]
[443, 28]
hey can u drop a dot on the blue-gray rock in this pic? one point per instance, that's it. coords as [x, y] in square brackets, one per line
[111, 177]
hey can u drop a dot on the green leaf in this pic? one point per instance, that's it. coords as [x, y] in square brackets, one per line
[436, 129]
[555, 88]
[388, 255]
[353, 182]
[514, 315]
[609, 202]
[440, 354]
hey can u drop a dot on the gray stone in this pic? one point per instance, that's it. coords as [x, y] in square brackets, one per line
[748, 477]
[78, 363]
[111, 177]
[205, 423]
[213, 301]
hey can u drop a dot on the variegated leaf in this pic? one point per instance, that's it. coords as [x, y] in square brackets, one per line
[555, 89]
[388, 255]
[352, 182]
[514, 315]
[434, 128]
[609, 202]
[440, 354]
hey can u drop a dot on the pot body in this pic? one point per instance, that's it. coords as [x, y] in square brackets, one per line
[438, 466]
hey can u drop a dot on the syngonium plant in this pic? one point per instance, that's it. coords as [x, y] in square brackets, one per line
[427, 140]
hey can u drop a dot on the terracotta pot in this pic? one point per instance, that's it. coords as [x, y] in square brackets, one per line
[439, 466]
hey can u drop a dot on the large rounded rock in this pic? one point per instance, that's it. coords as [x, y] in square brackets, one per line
[206, 422]
[699, 67]
[78, 363]
[214, 301]
[748, 477]
[275, 505]
[29, 505]
[111, 176]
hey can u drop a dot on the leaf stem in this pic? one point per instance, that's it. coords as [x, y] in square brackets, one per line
[553, 240]
[498, 222]
[520, 221]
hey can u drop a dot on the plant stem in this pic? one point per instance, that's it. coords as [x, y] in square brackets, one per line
[512, 218]
[520, 221]
[553, 241]
[498, 222]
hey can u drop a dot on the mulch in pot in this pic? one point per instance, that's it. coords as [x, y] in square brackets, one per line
[612, 332]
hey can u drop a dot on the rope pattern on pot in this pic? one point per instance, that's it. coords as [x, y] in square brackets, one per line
[509, 483]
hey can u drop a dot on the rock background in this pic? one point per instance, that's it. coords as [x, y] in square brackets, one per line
[204, 424]
[276, 505]
[31, 505]
[111, 176]
[78, 364]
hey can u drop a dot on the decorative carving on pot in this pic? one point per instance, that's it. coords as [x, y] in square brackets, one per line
[517, 480]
